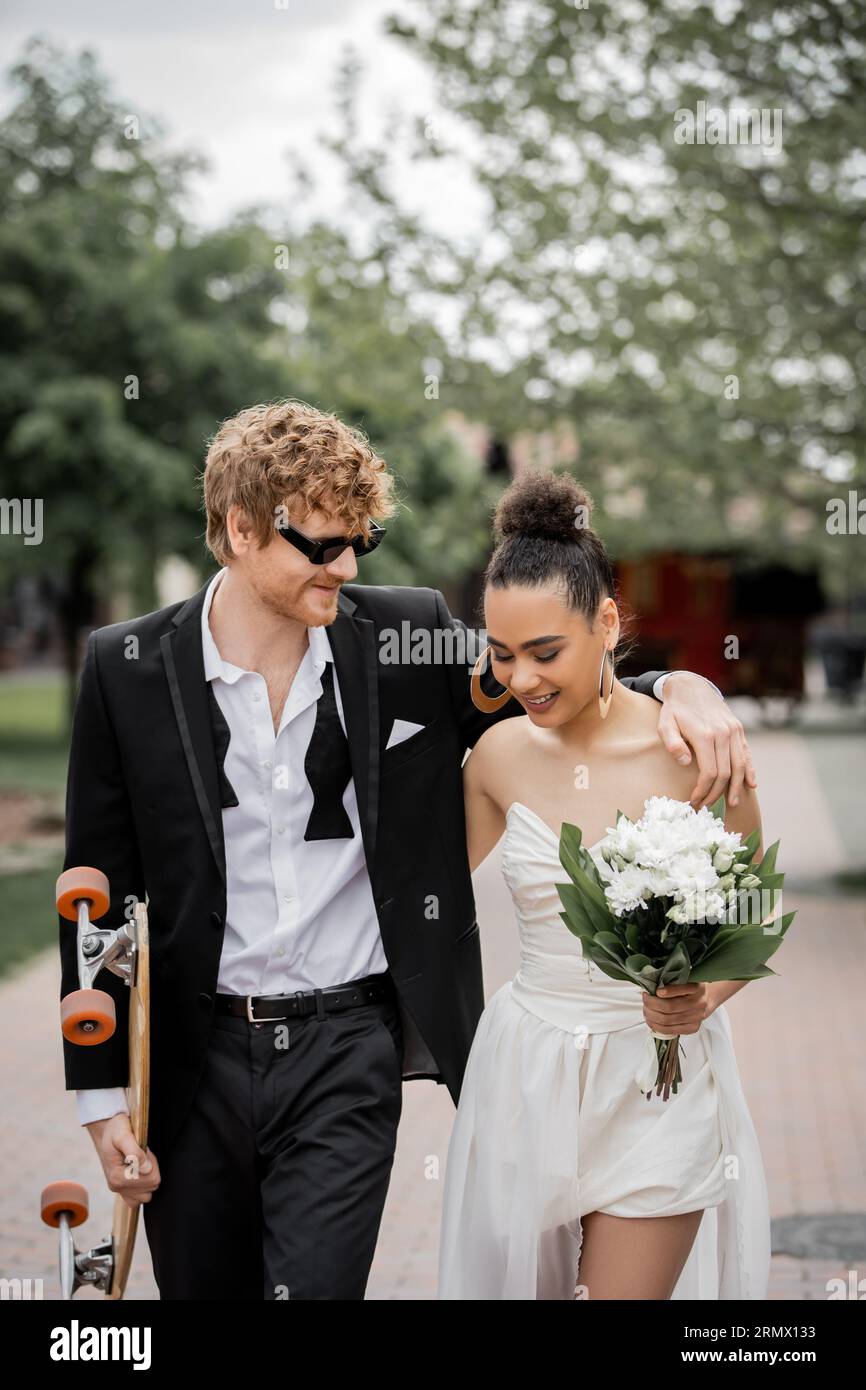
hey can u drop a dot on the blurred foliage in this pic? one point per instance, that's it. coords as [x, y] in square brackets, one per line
[103, 283]
[620, 278]
[122, 337]
[617, 282]
[358, 350]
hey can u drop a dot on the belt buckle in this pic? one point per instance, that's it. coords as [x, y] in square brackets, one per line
[252, 1018]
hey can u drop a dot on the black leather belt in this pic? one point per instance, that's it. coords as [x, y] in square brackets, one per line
[265, 1008]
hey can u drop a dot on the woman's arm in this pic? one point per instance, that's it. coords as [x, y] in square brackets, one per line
[721, 990]
[485, 821]
[745, 817]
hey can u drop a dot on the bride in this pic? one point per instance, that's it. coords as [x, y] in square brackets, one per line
[563, 1181]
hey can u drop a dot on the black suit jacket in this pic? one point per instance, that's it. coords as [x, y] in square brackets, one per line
[144, 799]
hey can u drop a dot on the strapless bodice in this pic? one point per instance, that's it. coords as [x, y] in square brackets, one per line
[555, 981]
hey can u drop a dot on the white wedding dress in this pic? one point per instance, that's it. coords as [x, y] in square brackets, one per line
[552, 1125]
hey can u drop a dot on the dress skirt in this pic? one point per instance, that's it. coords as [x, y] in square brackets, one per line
[551, 1126]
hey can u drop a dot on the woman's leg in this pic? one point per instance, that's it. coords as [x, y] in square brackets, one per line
[634, 1257]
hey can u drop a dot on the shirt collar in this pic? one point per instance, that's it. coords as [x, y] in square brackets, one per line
[214, 665]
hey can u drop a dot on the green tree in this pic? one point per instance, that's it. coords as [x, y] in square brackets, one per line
[355, 347]
[695, 311]
[124, 336]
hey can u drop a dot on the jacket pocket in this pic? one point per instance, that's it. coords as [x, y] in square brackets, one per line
[425, 739]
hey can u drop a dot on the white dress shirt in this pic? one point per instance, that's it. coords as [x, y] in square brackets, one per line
[659, 684]
[300, 914]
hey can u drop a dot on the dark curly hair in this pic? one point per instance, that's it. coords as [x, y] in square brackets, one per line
[541, 524]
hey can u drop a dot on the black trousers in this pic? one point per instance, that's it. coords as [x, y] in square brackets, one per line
[275, 1186]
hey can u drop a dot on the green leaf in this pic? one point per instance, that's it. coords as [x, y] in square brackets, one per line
[605, 964]
[611, 944]
[637, 962]
[578, 926]
[598, 916]
[696, 948]
[768, 863]
[741, 957]
[769, 880]
[718, 809]
[779, 928]
[633, 932]
[573, 860]
[677, 967]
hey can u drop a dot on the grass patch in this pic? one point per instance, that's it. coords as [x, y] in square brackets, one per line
[34, 749]
[29, 917]
[34, 734]
[31, 765]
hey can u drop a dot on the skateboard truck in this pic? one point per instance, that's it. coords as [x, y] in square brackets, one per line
[64, 1205]
[88, 1015]
[102, 949]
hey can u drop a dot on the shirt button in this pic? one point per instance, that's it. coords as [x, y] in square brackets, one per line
[287, 897]
[267, 763]
[257, 696]
[281, 829]
[281, 951]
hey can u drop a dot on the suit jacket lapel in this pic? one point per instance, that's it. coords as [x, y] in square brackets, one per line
[184, 668]
[353, 643]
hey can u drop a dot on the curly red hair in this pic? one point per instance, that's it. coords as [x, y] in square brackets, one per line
[286, 453]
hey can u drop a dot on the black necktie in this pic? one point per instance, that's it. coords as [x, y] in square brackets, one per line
[328, 768]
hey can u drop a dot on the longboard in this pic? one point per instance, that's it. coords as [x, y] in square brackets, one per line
[88, 1018]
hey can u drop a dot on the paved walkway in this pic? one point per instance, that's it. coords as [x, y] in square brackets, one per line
[800, 1040]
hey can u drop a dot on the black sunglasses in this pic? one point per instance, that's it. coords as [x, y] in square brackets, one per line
[329, 548]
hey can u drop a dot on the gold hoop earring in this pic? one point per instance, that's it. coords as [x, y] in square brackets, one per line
[604, 704]
[486, 703]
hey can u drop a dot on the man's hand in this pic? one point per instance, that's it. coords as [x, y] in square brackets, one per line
[692, 713]
[134, 1180]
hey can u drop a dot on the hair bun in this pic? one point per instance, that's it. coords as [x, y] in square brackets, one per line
[549, 506]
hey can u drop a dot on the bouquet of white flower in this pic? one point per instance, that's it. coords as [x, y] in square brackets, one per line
[677, 898]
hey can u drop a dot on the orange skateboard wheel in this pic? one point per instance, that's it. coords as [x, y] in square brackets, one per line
[87, 1017]
[90, 884]
[63, 1197]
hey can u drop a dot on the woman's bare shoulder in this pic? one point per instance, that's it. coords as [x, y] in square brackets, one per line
[504, 734]
[498, 749]
[644, 748]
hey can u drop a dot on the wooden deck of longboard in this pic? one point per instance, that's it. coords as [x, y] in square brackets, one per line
[125, 1223]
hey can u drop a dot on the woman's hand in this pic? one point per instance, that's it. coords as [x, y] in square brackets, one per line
[678, 1008]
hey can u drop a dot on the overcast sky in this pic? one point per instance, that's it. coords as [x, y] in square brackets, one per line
[245, 81]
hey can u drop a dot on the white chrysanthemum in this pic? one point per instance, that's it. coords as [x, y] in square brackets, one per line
[623, 839]
[659, 843]
[627, 890]
[664, 809]
[694, 873]
[699, 907]
[669, 853]
[663, 882]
